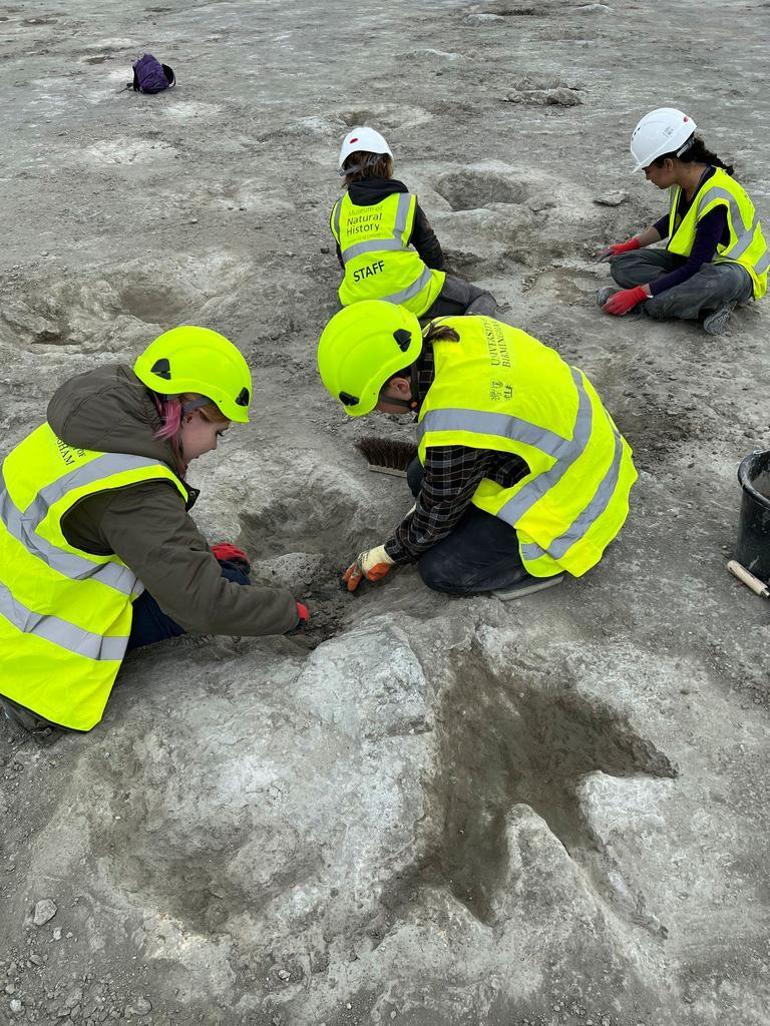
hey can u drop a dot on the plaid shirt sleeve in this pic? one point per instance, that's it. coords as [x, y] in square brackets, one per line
[451, 475]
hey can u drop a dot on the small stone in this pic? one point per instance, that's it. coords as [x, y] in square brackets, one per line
[284, 974]
[56, 933]
[393, 1014]
[45, 910]
[348, 1005]
[611, 199]
[16, 1006]
[325, 249]
[74, 997]
[193, 220]
[141, 1006]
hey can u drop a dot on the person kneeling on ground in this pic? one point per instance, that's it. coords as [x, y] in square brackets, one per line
[385, 245]
[98, 554]
[716, 255]
[521, 474]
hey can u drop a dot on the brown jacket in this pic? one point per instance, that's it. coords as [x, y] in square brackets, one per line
[108, 409]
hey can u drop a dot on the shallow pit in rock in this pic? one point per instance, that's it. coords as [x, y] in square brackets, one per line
[471, 189]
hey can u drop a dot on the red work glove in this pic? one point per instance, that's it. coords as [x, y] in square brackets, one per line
[304, 618]
[619, 247]
[226, 552]
[373, 565]
[625, 300]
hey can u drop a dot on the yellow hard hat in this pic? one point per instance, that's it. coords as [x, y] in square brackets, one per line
[191, 359]
[363, 346]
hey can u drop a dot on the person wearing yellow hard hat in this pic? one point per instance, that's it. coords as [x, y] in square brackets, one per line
[98, 553]
[716, 256]
[385, 245]
[521, 475]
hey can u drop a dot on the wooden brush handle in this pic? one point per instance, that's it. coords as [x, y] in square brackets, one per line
[747, 578]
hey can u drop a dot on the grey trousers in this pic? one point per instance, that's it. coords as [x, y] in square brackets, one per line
[457, 298]
[713, 286]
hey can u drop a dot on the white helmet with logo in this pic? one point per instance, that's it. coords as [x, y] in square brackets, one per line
[665, 130]
[365, 139]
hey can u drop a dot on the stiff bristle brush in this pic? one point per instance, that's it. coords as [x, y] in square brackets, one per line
[386, 455]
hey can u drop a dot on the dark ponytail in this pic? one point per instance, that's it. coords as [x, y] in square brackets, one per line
[438, 332]
[696, 153]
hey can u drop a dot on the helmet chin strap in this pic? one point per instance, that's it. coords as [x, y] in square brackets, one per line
[407, 405]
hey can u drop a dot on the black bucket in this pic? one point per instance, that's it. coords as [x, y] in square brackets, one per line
[753, 548]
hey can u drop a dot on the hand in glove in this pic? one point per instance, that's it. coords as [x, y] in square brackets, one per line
[619, 247]
[226, 552]
[625, 300]
[304, 619]
[373, 565]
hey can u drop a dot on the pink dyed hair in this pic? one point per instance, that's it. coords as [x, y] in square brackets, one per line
[170, 411]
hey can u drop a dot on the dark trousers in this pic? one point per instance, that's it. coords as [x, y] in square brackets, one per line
[713, 286]
[150, 624]
[457, 298]
[481, 553]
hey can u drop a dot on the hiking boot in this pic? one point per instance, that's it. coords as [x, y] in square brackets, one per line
[527, 585]
[604, 293]
[716, 322]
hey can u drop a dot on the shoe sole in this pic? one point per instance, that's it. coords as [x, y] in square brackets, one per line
[716, 322]
[528, 588]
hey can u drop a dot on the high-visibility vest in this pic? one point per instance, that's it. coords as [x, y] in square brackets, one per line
[498, 388]
[379, 262]
[65, 614]
[746, 246]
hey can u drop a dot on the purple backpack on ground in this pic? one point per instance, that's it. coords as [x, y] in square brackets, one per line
[150, 76]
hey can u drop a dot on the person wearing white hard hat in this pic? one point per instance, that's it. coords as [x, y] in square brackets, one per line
[716, 255]
[385, 245]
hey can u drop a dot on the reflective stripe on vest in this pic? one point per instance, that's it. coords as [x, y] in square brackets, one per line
[412, 290]
[763, 264]
[480, 422]
[527, 401]
[745, 230]
[60, 632]
[582, 523]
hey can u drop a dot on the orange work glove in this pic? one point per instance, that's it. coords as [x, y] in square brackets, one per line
[372, 564]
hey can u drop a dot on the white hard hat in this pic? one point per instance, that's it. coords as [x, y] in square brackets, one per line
[365, 139]
[665, 130]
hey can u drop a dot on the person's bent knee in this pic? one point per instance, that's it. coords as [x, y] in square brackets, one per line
[483, 305]
[437, 575]
[619, 269]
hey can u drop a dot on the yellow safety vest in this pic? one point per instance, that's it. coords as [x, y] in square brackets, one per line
[498, 388]
[65, 614]
[379, 262]
[747, 245]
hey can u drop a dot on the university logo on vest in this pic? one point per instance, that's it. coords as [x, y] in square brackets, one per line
[68, 454]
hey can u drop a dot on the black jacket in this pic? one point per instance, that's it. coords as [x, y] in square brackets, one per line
[372, 190]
